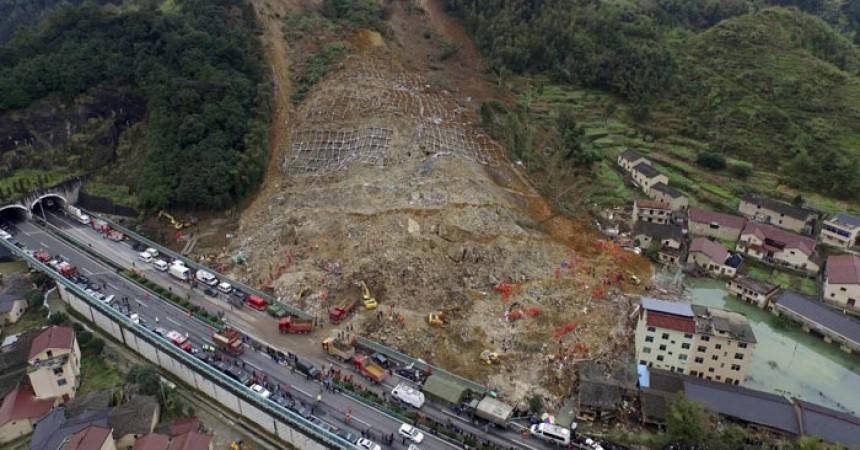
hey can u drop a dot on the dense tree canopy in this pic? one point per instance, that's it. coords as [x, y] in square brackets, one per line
[200, 70]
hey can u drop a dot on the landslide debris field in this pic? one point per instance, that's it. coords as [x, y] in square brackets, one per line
[385, 179]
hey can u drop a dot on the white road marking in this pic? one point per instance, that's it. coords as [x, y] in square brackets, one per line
[174, 322]
[86, 271]
[44, 244]
[112, 287]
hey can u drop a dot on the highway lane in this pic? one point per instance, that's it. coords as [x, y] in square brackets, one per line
[263, 328]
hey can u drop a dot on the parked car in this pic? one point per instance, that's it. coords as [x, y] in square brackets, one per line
[324, 425]
[411, 433]
[283, 400]
[239, 375]
[381, 359]
[241, 295]
[152, 251]
[347, 436]
[210, 292]
[138, 247]
[301, 409]
[261, 391]
[367, 444]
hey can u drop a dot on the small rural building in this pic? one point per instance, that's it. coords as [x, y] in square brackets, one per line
[55, 363]
[712, 257]
[58, 426]
[133, 419]
[93, 437]
[842, 230]
[816, 318]
[20, 411]
[662, 192]
[645, 210]
[669, 240]
[12, 307]
[842, 282]
[630, 159]
[725, 227]
[787, 217]
[777, 246]
[645, 176]
[759, 293]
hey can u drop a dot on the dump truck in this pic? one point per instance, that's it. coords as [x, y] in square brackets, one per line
[368, 368]
[339, 313]
[65, 269]
[42, 256]
[493, 411]
[295, 325]
[229, 340]
[338, 348]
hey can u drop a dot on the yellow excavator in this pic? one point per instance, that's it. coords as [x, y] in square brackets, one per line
[239, 445]
[489, 357]
[440, 318]
[369, 301]
[178, 225]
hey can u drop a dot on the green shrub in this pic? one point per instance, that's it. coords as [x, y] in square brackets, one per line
[742, 169]
[712, 161]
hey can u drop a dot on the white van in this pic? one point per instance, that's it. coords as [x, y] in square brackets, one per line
[225, 287]
[206, 278]
[161, 265]
[408, 395]
[179, 272]
[145, 257]
[84, 219]
[152, 252]
[551, 433]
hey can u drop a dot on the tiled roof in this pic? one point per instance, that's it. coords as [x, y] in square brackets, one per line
[54, 428]
[93, 401]
[653, 204]
[630, 155]
[52, 337]
[658, 231]
[771, 410]
[668, 190]
[23, 404]
[791, 240]
[133, 416]
[843, 269]
[192, 440]
[670, 322]
[674, 308]
[843, 220]
[647, 170]
[782, 208]
[152, 441]
[760, 287]
[90, 438]
[7, 301]
[820, 314]
[829, 425]
[600, 395]
[705, 216]
[183, 425]
[711, 249]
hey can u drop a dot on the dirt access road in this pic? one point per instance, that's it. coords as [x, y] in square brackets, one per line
[381, 175]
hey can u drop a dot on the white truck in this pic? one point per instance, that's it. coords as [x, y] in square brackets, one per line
[180, 272]
[494, 411]
[79, 215]
[408, 395]
[206, 278]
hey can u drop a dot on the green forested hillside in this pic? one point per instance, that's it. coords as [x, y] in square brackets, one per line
[197, 65]
[773, 82]
[17, 14]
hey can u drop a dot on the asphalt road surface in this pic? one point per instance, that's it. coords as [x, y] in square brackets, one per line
[261, 327]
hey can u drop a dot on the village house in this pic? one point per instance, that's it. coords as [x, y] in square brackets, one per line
[93, 437]
[662, 192]
[842, 230]
[689, 339]
[651, 211]
[55, 363]
[133, 419]
[819, 320]
[645, 176]
[778, 246]
[725, 227]
[713, 257]
[668, 240]
[787, 217]
[759, 293]
[842, 281]
[20, 411]
[13, 360]
[12, 307]
[630, 159]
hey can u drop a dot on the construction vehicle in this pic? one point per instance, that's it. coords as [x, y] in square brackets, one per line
[369, 301]
[633, 278]
[177, 225]
[42, 256]
[115, 235]
[64, 268]
[440, 317]
[239, 445]
[338, 348]
[295, 325]
[368, 368]
[229, 340]
[489, 357]
[340, 312]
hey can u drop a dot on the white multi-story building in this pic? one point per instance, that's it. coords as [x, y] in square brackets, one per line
[695, 340]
